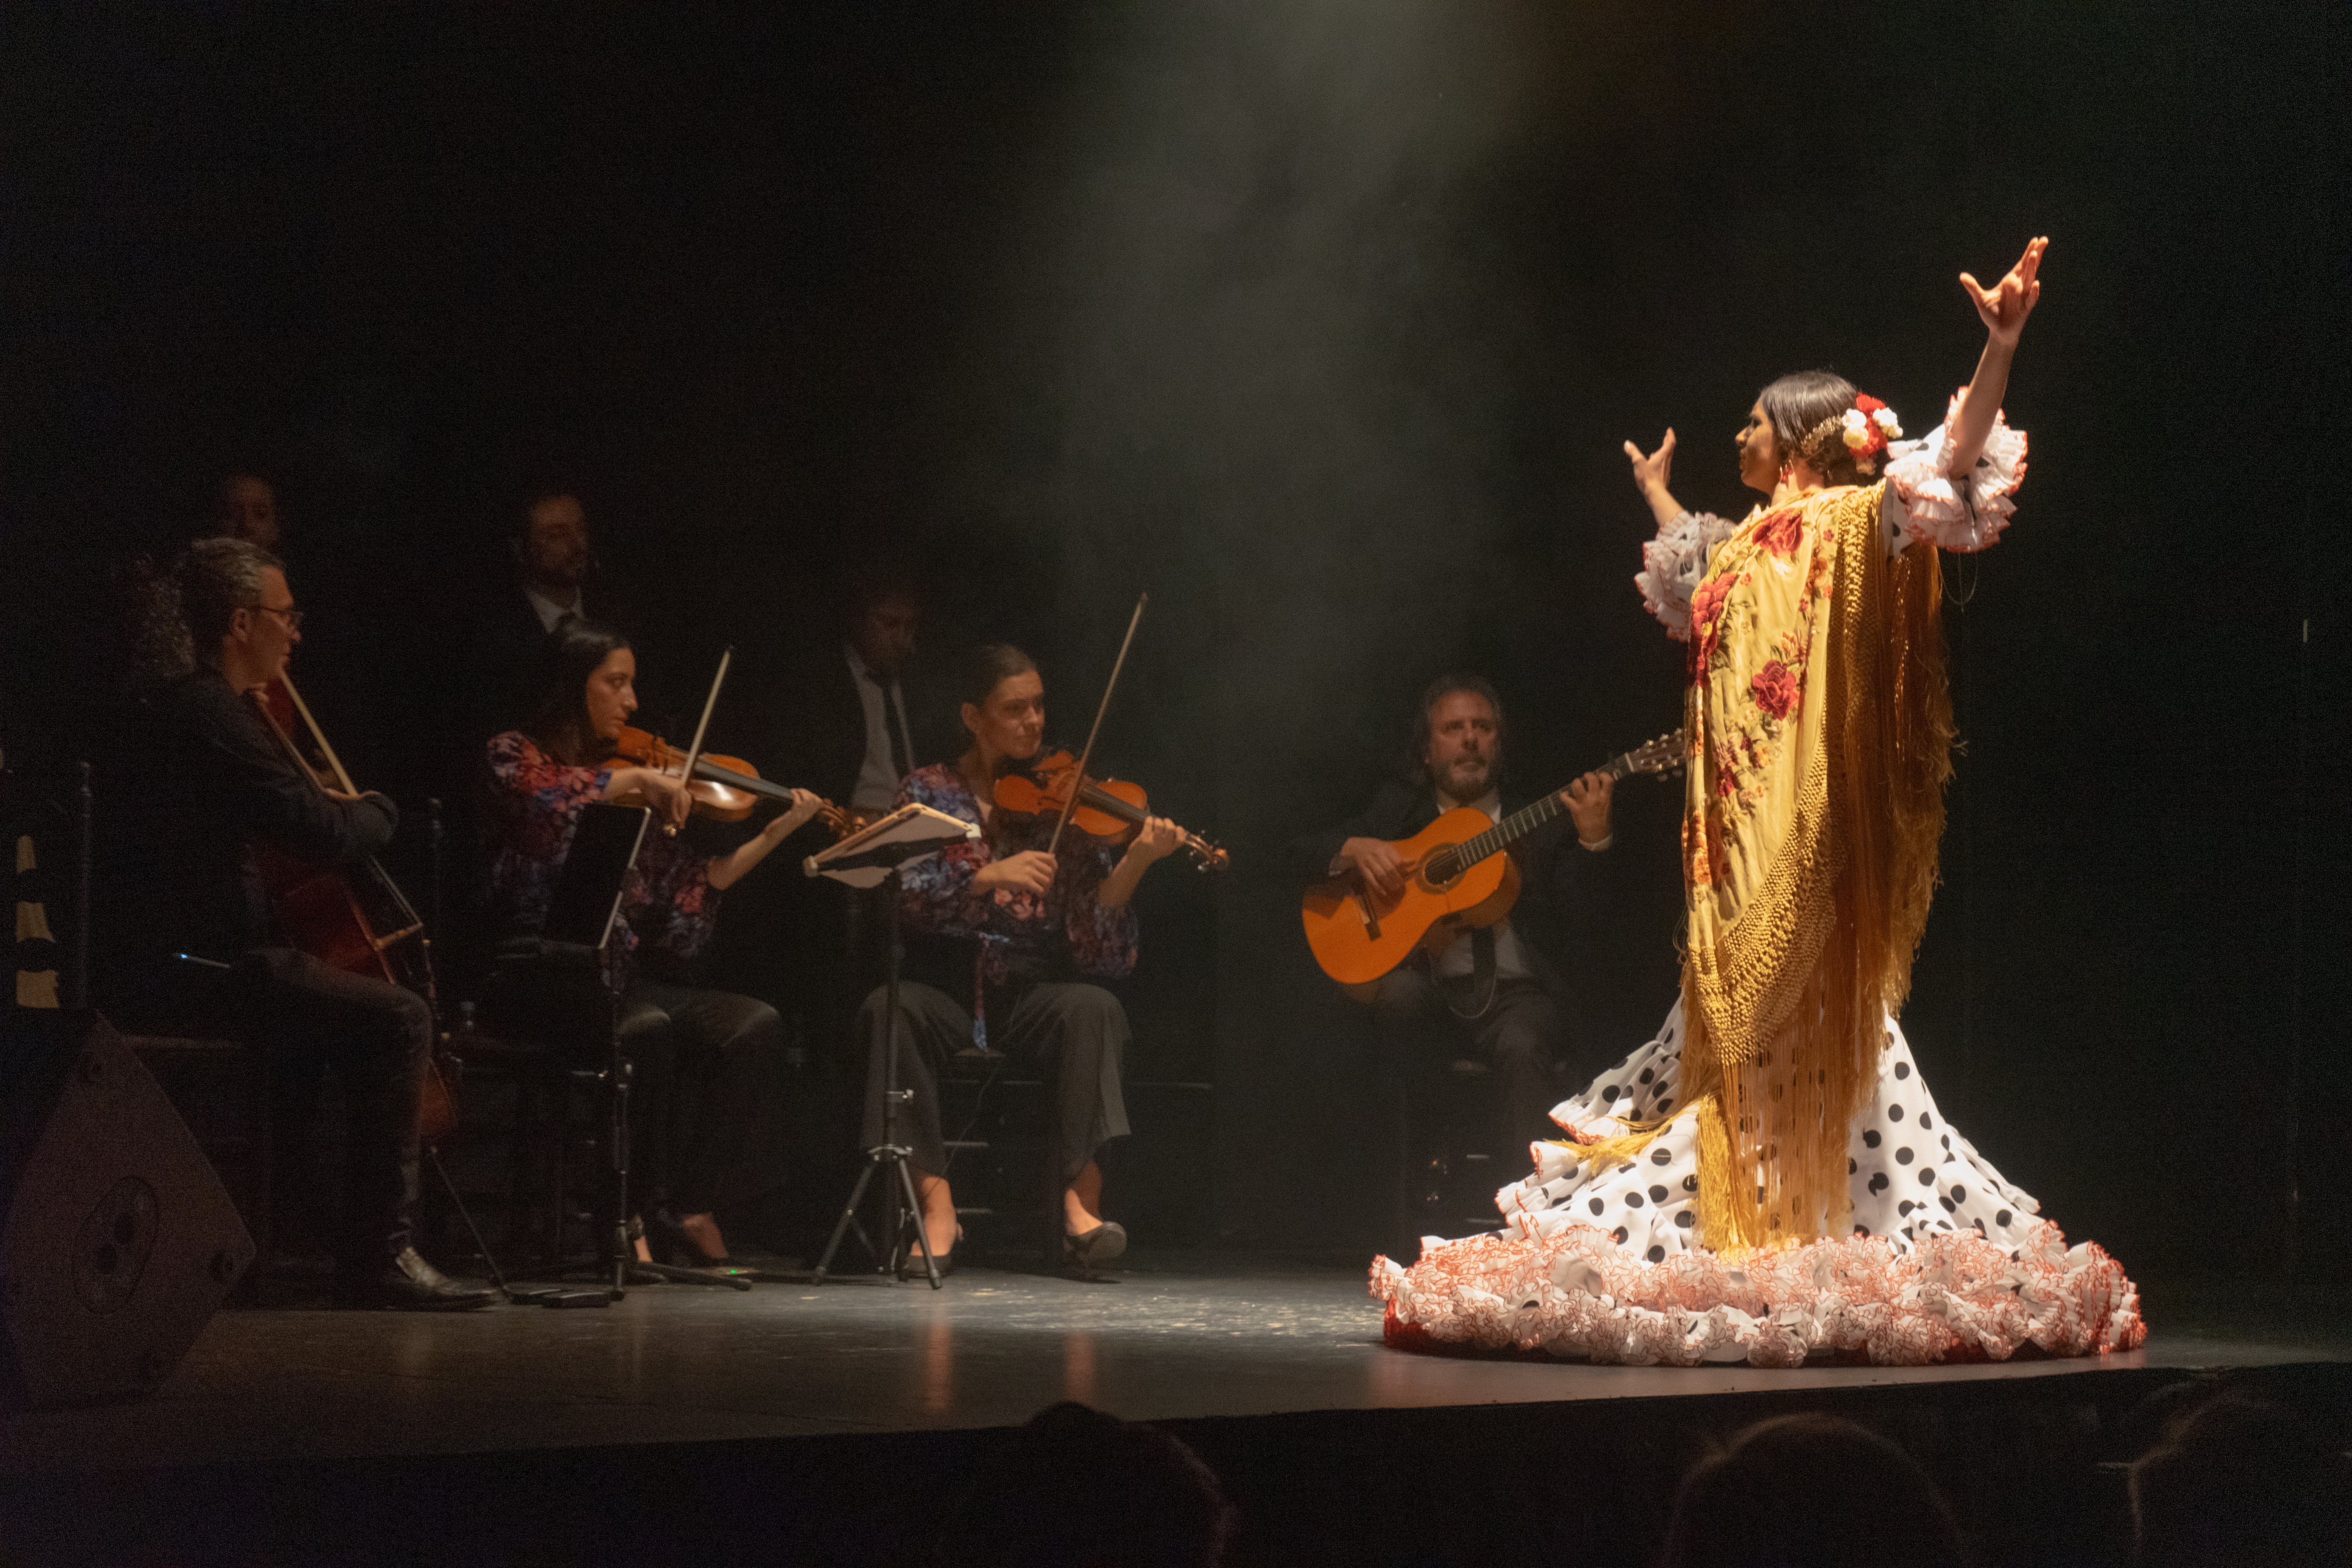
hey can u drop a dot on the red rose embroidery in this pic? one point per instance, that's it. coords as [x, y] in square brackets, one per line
[1780, 531]
[1775, 687]
[1706, 605]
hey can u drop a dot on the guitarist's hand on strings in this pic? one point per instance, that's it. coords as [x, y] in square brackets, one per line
[1587, 807]
[1376, 861]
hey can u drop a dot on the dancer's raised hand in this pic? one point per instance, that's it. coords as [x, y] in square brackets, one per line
[1649, 473]
[2006, 303]
[1649, 478]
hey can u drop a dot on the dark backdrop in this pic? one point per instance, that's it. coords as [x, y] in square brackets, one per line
[1322, 321]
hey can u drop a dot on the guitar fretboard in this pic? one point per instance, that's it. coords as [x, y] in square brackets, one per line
[1450, 863]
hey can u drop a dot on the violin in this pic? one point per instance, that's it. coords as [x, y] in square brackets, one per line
[726, 789]
[1108, 809]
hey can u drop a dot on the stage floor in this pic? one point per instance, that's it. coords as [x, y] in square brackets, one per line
[1176, 1337]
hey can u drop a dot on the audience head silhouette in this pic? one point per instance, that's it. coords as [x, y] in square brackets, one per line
[1815, 1490]
[1152, 1503]
[2242, 1481]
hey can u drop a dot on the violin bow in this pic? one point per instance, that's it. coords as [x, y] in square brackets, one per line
[342, 776]
[1103, 706]
[694, 751]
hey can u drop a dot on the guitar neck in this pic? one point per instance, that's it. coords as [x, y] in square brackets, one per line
[1526, 820]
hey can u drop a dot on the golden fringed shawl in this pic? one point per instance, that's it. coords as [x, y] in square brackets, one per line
[1820, 727]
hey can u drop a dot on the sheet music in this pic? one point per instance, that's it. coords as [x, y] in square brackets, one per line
[918, 829]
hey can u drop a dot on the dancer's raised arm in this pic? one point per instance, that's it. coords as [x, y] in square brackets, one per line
[2003, 309]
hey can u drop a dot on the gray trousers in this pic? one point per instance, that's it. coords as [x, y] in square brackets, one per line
[1074, 1033]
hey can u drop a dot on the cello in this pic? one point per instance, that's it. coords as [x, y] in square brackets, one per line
[362, 925]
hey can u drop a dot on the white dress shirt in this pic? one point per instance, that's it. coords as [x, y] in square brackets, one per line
[548, 611]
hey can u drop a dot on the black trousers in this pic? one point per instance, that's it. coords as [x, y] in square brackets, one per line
[704, 1065]
[1075, 1033]
[312, 1020]
[1520, 1036]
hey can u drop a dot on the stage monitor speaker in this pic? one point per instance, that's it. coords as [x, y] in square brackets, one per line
[117, 1239]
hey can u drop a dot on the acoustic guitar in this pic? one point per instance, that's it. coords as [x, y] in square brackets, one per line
[1457, 878]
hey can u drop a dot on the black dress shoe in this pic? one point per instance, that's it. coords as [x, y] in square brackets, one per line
[409, 1284]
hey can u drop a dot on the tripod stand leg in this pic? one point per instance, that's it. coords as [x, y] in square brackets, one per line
[434, 1153]
[915, 1206]
[841, 1227]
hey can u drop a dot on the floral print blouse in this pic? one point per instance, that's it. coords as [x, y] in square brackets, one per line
[1020, 936]
[669, 906]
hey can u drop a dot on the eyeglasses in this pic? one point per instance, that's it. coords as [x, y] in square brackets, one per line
[293, 618]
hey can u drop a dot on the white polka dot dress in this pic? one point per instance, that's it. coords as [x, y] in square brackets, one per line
[1946, 1258]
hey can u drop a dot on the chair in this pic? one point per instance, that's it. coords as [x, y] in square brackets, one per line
[1000, 1157]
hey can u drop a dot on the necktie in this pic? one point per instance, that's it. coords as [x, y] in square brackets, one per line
[893, 718]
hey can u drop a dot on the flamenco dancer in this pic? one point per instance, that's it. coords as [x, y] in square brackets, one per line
[1769, 1176]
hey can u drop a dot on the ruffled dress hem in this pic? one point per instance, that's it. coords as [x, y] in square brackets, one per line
[1576, 1294]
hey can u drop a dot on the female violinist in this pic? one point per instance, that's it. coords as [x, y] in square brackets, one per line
[1004, 942]
[702, 1059]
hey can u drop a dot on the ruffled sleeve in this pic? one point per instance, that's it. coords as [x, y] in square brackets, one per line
[1673, 563]
[1925, 501]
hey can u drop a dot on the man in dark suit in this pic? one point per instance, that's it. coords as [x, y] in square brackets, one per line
[836, 723]
[1497, 994]
[547, 537]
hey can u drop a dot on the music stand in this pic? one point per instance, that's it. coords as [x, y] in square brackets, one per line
[868, 860]
[581, 915]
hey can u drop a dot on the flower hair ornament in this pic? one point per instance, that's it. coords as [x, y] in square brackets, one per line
[1864, 429]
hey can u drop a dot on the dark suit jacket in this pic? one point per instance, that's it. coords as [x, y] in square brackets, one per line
[796, 715]
[203, 779]
[501, 640]
[821, 726]
[1563, 886]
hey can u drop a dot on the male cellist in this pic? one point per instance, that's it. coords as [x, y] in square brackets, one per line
[194, 938]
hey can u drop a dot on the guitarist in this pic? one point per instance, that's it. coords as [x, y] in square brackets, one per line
[1493, 995]
[203, 780]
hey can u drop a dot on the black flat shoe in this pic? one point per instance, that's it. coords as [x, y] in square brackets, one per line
[409, 1284]
[1100, 1245]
